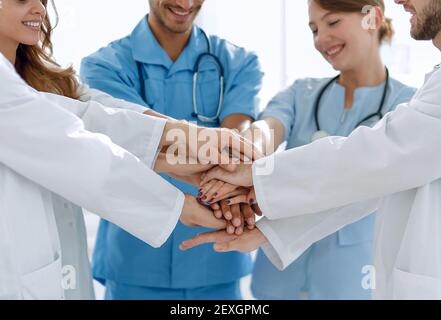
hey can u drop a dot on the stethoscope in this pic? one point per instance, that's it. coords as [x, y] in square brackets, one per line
[199, 61]
[319, 134]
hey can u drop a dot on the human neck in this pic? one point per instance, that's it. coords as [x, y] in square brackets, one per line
[172, 43]
[9, 50]
[367, 75]
[437, 41]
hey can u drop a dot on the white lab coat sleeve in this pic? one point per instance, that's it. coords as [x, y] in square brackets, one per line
[400, 153]
[123, 122]
[50, 146]
[289, 238]
[90, 94]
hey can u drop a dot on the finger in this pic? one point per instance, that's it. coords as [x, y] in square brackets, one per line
[215, 173]
[239, 231]
[226, 212]
[209, 237]
[237, 215]
[230, 228]
[229, 246]
[216, 210]
[257, 210]
[213, 191]
[237, 200]
[238, 192]
[248, 215]
[205, 188]
[225, 190]
[253, 203]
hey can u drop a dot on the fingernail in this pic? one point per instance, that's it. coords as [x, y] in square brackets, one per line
[228, 216]
[239, 231]
[204, 198]
[250, 221]
[236, 222]
[230, 230]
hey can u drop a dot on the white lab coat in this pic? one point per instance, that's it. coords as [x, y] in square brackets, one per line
[52, 149]
[394, 167]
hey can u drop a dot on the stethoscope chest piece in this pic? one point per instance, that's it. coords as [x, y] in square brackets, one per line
[319, 135]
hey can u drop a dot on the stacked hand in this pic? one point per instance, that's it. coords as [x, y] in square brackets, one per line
[218, 166]
[231, 196]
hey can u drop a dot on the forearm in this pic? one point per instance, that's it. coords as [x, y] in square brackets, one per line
[267, 135]
[393, 156]
[152, 113]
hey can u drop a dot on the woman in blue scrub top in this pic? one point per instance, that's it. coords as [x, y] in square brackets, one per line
[333, 267]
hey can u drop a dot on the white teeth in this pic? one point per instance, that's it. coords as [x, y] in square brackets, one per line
[32, 24]
[334, 51]
[180, 13]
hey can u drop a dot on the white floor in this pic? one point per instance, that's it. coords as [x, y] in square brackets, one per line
[92, 222]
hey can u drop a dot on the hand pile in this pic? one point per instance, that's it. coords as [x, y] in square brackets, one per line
[224, 176]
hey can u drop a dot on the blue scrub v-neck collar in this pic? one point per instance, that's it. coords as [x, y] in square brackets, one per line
[146, 48]
[361, 93]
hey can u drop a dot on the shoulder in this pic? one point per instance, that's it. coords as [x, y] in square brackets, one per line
[115, 56]
[233, 55]
[401, 91]
[310, 86]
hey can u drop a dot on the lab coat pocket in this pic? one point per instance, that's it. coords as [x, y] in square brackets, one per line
[44, 283]
[411, 286]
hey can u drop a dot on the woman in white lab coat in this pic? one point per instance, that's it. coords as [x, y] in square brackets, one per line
[60, 146]
[394, 167]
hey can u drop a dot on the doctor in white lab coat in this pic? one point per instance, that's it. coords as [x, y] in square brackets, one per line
[394, 167]
[55, 152]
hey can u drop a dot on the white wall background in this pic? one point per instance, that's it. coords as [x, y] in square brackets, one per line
[276, 30]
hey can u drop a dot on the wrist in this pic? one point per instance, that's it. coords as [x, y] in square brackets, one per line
[170, 126]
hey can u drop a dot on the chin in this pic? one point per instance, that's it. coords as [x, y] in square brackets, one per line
[338, 66]
[29, 42]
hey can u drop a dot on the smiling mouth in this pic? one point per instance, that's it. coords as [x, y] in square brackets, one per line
[34, 25]
[334, 51]
[180, 13]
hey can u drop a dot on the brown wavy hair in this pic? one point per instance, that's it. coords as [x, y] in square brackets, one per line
[386, 31]
[36, 65]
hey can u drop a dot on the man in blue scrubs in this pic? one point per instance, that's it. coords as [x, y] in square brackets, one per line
[160, 55]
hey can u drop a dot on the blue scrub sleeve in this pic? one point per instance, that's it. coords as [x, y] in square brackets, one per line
[282, 107]
[242, 91]
[105, 78]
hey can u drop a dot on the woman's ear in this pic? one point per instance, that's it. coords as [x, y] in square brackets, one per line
[373, 19]
[379, 18]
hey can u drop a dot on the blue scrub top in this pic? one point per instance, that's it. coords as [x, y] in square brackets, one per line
[169, 88]
[294, 107]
